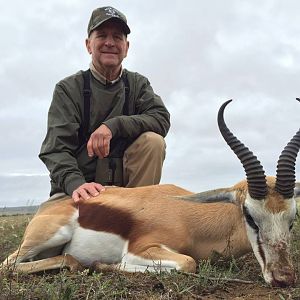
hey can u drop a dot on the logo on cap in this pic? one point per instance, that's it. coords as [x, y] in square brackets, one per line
[110, 11]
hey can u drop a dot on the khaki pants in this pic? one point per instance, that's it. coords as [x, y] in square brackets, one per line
[143, 160]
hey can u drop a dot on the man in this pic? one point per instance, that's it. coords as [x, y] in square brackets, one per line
[104, 113]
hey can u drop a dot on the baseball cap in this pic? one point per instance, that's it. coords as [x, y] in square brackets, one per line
[103, 14]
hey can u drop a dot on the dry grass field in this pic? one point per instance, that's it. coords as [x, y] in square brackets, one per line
[216, 279]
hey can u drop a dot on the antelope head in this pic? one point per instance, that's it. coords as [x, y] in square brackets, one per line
[269, 208]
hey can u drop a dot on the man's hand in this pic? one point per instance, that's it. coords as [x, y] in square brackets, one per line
[99, 142]
[86, 191]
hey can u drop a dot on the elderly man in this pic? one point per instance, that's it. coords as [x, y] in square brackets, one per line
[106, 126]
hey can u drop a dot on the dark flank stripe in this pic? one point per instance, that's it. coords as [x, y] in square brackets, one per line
[102, 218]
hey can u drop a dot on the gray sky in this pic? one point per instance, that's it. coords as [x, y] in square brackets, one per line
[197, 54]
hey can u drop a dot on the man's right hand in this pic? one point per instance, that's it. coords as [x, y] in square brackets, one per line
[86, 191]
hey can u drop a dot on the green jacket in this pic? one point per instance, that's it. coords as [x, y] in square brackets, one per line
[67, 160]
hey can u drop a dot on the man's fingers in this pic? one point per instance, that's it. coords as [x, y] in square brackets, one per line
[98, 147]
[94, 191]
[75, 197]
[86, 191]
[89, 147]
[106, 143]
[99, 142]
[95, 146]
[99, 187]
[84, 194]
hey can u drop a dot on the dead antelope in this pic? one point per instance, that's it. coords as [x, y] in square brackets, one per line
[166, 227]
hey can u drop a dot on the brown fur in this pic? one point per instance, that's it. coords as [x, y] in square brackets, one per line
[275, 203]
[132, 213]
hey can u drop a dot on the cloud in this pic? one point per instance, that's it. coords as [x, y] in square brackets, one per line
[197, 55]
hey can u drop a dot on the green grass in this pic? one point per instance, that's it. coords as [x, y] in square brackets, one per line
[213, 279]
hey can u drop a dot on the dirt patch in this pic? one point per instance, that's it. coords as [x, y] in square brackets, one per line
[250, 292]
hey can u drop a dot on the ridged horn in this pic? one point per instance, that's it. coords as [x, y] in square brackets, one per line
[285, 173]
[255, 174]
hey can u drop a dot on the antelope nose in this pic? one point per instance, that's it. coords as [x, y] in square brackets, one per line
[283, 277]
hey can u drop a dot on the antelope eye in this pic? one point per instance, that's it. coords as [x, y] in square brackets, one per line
[291, 226]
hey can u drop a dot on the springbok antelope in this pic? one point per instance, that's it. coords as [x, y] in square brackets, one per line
[166, 227]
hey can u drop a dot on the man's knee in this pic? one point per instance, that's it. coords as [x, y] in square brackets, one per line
[152, 141]
[143, 160]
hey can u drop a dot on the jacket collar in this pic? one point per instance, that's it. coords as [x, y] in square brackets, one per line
[102, 78]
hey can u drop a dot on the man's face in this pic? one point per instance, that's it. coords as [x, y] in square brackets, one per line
[108, 46]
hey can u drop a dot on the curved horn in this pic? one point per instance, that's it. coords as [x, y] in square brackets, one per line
[285, 173]
[255, 174]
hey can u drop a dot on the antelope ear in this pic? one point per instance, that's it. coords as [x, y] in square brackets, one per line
[212, 196]
[297, 190]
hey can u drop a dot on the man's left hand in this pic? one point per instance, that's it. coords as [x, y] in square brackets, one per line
[99, 142]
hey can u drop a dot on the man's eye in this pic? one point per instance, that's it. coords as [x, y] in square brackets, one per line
[101, 36]
[119, 37]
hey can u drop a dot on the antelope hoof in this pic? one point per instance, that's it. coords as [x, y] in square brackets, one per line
[99, 267]
[73, 264]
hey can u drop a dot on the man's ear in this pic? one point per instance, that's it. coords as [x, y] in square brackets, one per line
[127, 48]
[88, 46]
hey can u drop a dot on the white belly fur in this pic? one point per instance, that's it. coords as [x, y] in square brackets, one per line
[88, 246]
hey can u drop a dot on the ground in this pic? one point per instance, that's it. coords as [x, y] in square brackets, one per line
[223, 279]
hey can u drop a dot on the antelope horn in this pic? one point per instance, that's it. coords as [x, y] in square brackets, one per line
[255, 174]
[285, 173]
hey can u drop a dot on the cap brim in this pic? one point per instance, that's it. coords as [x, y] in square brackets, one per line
[124, 25]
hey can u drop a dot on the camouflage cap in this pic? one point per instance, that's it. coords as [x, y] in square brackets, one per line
[103, 14]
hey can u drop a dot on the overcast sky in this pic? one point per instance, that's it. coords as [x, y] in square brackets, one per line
[197, 54]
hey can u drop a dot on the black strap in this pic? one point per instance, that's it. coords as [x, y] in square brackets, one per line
[126, 102]
[119, 145]
[84, 129]
[112, 166]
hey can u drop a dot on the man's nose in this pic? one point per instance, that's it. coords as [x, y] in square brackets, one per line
[109, 42]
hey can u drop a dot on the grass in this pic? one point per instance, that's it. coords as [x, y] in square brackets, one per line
[212, 281]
